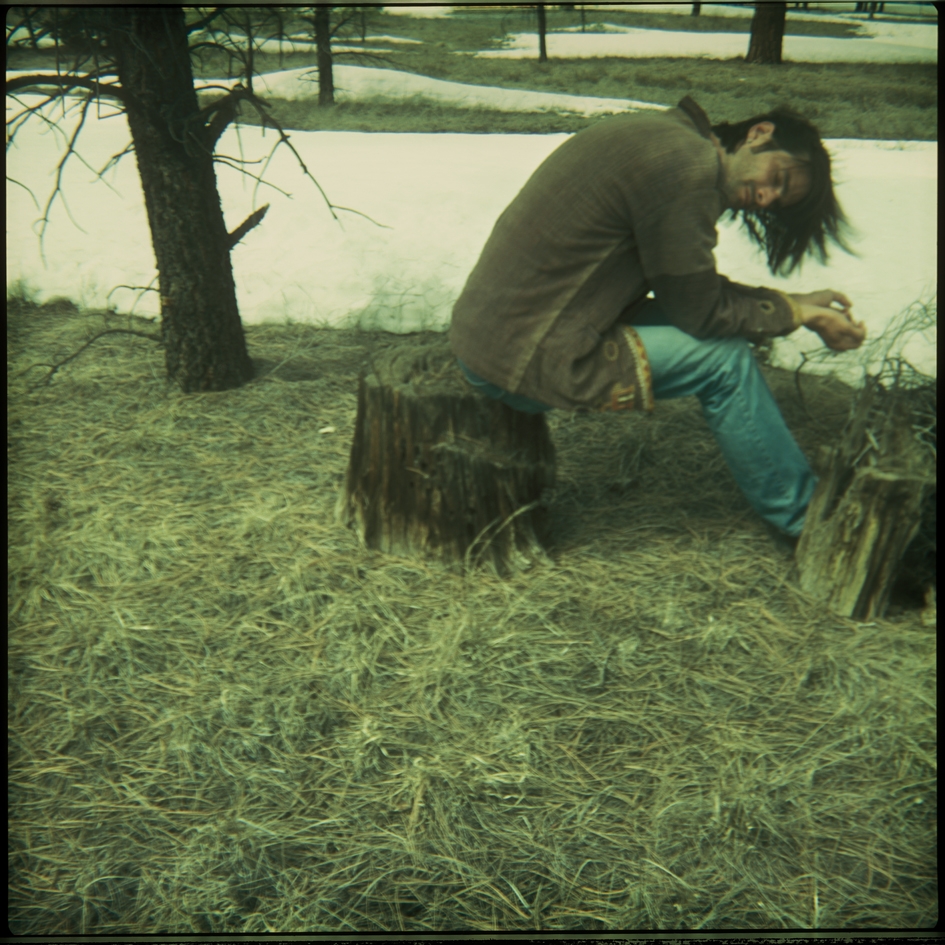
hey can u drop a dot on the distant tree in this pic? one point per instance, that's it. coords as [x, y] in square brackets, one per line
[542, 48]
[319, 21]
[696, 9]
[140, 58]
[767, 33]
[571, 7]
[326, 79]
[362, 23]
[871, 8]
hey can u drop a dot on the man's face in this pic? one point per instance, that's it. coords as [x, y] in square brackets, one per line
[755, 180]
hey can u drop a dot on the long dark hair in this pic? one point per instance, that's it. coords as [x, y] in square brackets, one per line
[787, 234]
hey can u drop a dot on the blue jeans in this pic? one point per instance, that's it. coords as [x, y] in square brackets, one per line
[738, 405]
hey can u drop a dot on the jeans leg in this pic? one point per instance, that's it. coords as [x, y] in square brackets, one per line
[743, 415]
[516, 401]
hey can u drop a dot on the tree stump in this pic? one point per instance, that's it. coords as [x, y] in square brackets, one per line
[868, 506]
[437, 468]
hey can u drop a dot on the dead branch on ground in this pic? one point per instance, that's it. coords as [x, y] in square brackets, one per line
[53, 368]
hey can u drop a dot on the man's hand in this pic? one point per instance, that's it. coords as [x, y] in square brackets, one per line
[825, 298]
[835, 325]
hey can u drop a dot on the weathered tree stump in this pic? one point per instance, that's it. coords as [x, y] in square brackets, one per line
[436, 468]
[868, 506]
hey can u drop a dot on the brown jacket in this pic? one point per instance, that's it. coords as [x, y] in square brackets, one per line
[626, 206]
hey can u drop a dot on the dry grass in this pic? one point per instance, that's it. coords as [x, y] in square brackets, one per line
[225, 716]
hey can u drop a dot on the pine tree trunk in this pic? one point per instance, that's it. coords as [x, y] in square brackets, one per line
[436, 468]
[542, 46]
[767, 33]
[204, 344]
[326, 80]
[867, 508]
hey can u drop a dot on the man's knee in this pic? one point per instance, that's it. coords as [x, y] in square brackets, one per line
[732, 357]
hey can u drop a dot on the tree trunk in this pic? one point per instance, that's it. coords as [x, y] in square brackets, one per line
[767, 33]
[867, 508]
[437, 468]
[326, 82]
[204, 345]
[542, 47]
[696, 9]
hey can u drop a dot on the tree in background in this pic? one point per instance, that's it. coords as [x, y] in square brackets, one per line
[318, 20]
[570, 7]
[767, 33]
[542, 28]
[696, 9]
[326, 78]
[140, 58]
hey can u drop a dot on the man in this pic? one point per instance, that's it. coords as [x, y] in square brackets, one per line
[556, 312]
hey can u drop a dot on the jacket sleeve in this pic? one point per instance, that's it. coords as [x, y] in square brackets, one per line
[676, 249]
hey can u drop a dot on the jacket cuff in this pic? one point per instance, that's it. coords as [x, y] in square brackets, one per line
[795, 308]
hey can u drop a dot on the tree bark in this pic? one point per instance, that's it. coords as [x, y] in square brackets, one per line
[436, 468]
[767, 33]
[867, 508]
[696, 9]
[326, 81]
[542, 46]
[204, 344]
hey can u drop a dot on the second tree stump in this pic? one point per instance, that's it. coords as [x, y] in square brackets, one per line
[437, 468]
[868, 506]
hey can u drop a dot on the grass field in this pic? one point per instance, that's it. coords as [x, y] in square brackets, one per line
[874, 100]
[845, 100]
[226, 716]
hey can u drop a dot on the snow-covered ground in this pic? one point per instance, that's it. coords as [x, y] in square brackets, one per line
[355, 83]
[437, 197]
[646, 43]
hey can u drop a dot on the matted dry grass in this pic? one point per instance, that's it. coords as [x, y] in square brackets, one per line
[225, 716]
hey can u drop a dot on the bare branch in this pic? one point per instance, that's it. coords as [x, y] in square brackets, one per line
[22, 117]
[208, 44]
[64, 82]
[284, 139]
[227, 89]
[59, 169]
[135, 288]
[383, 226]
[254, 219]
[53, 368]
[268, 121]
[30, 192]
[209, 18]
[223, 112]
[115, 158]
[344, 20]
[231, 161]
[235, 164]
